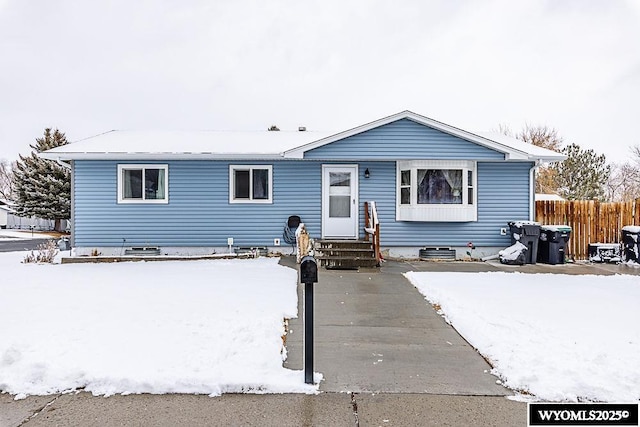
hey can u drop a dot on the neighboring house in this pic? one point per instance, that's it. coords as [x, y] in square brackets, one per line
[5, 210]
[9, 219]
[433, 184]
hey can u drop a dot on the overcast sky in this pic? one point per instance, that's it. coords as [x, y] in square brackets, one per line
[86, 67]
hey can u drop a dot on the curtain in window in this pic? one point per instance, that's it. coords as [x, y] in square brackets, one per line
[260, 184]
[425, 190]
[161, 184]
[132, 179]
[454, 180]
[439, 186]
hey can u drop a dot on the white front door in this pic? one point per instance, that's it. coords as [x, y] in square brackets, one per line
[340, 201]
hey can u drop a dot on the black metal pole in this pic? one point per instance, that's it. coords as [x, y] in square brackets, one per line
[308, 333]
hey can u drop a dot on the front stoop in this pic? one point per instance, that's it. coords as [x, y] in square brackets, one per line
[345, 254]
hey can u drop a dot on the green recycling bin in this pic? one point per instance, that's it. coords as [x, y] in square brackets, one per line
[553, 243]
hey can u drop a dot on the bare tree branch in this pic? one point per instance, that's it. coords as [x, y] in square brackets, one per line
[6, 181]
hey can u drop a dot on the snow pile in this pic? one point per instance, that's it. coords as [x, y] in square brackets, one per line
[514, 254]
[522, 223]
[558, 337]
[206, 327]
[633, 229]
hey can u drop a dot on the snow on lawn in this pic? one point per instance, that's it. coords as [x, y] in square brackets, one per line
[206, 327]
[558, 337]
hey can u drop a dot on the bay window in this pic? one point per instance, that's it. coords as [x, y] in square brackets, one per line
[436, 190]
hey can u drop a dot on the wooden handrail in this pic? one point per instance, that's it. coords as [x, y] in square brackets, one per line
[372, 227]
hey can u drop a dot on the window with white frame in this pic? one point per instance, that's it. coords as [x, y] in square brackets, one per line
[436, 190]
[143, 183]
[250, 183]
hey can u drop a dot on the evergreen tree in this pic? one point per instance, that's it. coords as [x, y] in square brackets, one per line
[43, 187]
[583, 175]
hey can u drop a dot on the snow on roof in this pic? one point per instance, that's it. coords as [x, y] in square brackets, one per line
[176, 144]
[539, 152]
[264, 144]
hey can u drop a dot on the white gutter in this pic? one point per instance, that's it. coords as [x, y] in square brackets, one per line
[162, 156]
[532, 190]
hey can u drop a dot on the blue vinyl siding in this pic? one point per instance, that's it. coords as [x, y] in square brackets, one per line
[199, 213]
[403, 139]
[503, 195]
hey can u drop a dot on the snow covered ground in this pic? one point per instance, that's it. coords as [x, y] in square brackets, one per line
[557, 337]
[206, 327]
[212, 327]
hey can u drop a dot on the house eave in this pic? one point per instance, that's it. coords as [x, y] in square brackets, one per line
[60, 156]
[551, 159]
[532, 158]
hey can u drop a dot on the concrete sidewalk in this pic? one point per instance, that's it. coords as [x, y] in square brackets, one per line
[326, 409]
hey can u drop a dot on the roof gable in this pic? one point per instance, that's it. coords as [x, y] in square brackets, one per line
[511, 148]
[403, 139]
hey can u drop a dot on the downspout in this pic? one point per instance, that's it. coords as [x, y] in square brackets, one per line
[532, 190]
[68, 166]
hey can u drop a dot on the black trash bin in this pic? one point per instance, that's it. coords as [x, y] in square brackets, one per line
[527, 233]
[630, 243]
[553, 241]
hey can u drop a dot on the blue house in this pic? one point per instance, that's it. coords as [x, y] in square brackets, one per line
[434, 185]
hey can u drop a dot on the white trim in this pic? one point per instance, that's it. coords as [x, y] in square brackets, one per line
[160, 156]
[532, 191]
[123, 166]
[250, 200]
[463, 212]
[324, 208]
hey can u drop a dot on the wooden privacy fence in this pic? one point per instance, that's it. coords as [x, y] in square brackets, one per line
[591, 221]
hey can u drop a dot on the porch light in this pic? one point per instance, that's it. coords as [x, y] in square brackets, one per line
[366, 173]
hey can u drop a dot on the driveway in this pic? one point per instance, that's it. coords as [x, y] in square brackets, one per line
[20, 245]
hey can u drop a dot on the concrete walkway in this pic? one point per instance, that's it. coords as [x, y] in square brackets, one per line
[375, 333]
